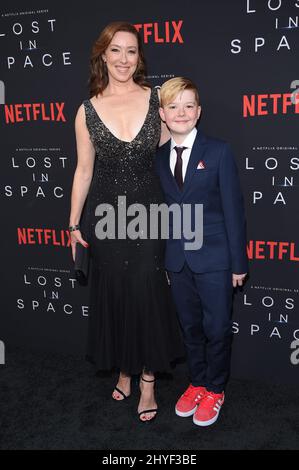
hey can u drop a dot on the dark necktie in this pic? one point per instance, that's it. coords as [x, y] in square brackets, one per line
[178, 169]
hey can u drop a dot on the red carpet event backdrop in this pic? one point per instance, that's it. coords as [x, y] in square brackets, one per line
[243, 55]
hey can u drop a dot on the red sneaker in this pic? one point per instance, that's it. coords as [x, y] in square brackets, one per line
[187, 404]
[209, 409]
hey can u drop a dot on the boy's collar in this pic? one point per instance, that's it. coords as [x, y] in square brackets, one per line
[187, 142]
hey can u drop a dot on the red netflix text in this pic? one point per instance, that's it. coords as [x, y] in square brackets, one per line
[43, 236]
[275, 103]
[167, 32]
[15, 113]
[272, 250]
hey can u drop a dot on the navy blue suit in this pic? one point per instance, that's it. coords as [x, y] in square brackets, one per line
[201, 280]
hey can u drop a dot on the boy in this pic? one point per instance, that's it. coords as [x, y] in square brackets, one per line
[196, 169]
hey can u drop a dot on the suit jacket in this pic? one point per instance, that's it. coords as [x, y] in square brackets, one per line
[217, 187]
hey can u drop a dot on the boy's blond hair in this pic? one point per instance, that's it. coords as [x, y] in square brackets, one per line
[170, 89]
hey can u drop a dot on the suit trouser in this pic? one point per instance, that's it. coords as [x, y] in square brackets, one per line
[204, 307]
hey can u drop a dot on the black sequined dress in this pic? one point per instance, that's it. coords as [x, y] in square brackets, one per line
[132, 321]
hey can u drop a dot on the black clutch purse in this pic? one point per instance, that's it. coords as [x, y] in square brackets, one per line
[82, 261]
[82, 254]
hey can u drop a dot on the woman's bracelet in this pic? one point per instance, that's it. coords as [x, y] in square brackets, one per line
[72, 228]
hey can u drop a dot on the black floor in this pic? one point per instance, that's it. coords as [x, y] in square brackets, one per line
[57, 402]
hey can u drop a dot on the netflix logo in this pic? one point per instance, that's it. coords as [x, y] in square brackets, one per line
[270, 104]
[15, 113]
[43, 236]
[161, 33]
[272, 250]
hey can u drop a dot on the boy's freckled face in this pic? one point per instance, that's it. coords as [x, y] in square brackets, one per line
[182, 113]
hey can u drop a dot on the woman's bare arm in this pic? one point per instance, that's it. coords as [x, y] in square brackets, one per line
[165, 134]
[84, 170]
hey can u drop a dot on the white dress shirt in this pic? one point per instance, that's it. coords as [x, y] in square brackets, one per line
[188, 142]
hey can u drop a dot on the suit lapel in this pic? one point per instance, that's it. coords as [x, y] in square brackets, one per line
[196, 155]
[167, 171]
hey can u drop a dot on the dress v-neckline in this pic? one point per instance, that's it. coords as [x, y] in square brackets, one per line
[137, 135]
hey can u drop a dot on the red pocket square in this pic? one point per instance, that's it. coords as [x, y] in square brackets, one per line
[201, 165]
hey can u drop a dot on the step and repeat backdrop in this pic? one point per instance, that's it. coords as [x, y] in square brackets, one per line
[243, 55]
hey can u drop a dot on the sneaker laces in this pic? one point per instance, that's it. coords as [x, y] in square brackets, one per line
[206, 401]
[189, 393]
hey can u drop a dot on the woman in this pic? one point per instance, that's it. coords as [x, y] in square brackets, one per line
[132, 324]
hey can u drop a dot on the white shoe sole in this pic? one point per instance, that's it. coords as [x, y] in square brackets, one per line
[186, 413]
[205, 423]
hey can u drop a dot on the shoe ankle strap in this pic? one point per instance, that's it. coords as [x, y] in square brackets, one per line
[145, 380]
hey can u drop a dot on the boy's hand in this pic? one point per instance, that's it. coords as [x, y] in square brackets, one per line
[238, 279]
